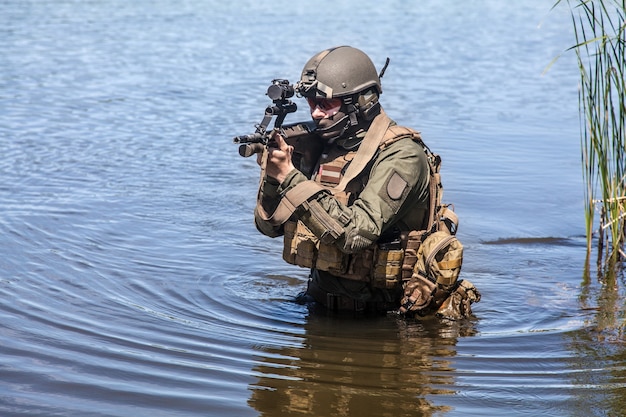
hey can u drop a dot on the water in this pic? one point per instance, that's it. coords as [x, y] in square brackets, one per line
[133, 281]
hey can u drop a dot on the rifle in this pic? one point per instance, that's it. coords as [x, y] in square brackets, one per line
[307, 146]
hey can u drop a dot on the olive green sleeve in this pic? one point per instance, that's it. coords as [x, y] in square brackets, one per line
[268, 199]
[397, 185]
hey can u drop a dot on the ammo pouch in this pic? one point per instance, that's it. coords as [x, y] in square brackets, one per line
[384, 266]
[300, 245]
[303, 248]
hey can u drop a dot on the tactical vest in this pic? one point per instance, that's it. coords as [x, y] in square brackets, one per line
[383, 265]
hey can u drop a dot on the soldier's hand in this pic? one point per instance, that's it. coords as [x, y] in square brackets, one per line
[279, 153]
[418, 294]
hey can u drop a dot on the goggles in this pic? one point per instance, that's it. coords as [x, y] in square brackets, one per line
[330, 106]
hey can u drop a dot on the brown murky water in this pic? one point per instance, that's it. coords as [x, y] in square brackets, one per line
[133, 282]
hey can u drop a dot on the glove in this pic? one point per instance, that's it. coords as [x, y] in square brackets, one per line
[418, 294]
[458, 305]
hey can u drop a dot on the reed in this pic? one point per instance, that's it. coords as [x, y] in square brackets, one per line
[599, 28]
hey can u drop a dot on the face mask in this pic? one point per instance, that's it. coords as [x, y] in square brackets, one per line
[333, 127]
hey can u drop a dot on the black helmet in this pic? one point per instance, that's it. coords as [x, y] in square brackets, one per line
[338, 72]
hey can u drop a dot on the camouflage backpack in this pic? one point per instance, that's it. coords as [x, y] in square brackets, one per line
[434, 286]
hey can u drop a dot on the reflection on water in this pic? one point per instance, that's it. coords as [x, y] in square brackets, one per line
[599, 345]
[382, 367]
[133, 281]
[609, 323]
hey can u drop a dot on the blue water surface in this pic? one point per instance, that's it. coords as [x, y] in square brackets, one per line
[134, 283]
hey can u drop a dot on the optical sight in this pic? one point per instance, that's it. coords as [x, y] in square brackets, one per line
[280, 90]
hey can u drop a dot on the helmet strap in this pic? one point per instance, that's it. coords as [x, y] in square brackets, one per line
[364, 104]
[351, 110]
[360, 110]
[371, 110]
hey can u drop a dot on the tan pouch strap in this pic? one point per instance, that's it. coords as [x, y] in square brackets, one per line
[451, 215]
[367, 150]
[442, 244]
[433, 251]
[290, 201]
[450, 264]
[434, 200]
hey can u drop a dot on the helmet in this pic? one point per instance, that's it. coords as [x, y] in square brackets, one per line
[347, 73]
[338, 72]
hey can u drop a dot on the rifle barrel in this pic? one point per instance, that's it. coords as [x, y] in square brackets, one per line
[252, 138]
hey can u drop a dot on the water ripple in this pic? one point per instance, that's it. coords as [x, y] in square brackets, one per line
[133, 281]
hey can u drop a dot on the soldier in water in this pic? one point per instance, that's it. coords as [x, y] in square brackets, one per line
[366, 215]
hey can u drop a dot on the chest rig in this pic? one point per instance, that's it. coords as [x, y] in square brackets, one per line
[382, 265]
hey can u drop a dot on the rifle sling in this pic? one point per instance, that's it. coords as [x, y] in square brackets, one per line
[366, 151]
[290, 202]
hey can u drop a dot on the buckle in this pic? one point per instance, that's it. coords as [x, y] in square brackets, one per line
[359, 306]
[332, 301]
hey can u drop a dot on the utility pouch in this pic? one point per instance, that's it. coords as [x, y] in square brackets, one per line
[300, 245]
[388, 268]
[331, 259]
[412, 243]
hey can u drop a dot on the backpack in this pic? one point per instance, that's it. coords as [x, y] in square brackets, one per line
[439, 259]
[439, 253]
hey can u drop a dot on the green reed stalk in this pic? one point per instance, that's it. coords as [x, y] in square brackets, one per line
[599, 27]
